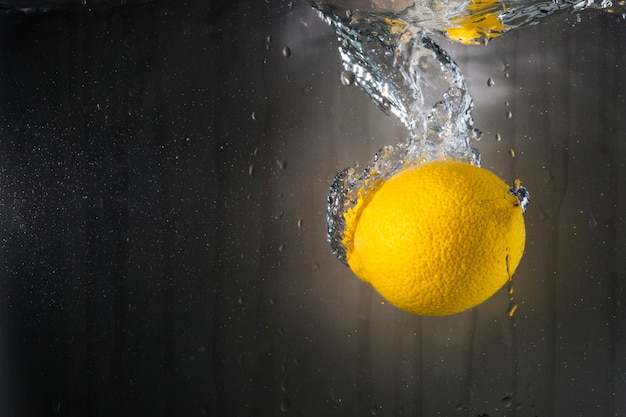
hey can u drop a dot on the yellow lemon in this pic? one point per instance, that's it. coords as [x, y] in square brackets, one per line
[480, 21]
[437, 238]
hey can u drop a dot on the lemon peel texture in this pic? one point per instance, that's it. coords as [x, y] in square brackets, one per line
[437, 238]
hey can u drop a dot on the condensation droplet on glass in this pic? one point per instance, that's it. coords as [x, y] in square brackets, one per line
[506, 103]
[286, 52]
[253, 115]
[282, 247]
[512, 152]
[510, 311]
[509, 114]
[284, 361]
[490, 82]
[300, 223]
[498, 137]
[507, 401]
[308, 89]
[240, 300]
[347, 78]
[507, 75]
[285, 404]
[251, 169]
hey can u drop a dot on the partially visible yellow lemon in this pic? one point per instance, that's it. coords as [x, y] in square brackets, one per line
[437, 238]
[480, 21]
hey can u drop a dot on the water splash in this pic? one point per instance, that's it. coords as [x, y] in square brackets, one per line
[405, 73]
[390, 53]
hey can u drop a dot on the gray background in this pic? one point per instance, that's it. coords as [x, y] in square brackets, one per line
[163, 179]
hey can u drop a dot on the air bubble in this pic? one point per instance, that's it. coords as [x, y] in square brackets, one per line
[347, 78]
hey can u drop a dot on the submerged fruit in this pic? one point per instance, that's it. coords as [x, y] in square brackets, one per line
[481, 20]
[437, 238]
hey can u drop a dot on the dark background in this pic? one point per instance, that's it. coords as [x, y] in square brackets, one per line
[163, 177]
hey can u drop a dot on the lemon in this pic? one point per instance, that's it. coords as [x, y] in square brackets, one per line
[480, 21]
[437, 238]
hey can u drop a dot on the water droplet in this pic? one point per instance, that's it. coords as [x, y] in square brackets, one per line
[240, 300]
[510, 311]
[509, 114]
[300, 222]
[308, 89]
[461, 407]
[512, 152]
[251, 169]
[286, 52]
[290, 5]
[204, 411]
[285, 384]
[374, 409]
[281, 164]
[83, 2]
[507, 401]
[498, 137]
[285, 404]
[490, 82]
[282, 247]
[268, 39]
[283, 364]
[347, 78]
[253, 115]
